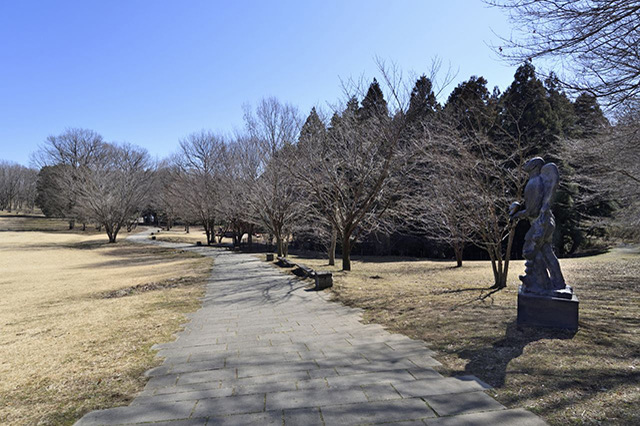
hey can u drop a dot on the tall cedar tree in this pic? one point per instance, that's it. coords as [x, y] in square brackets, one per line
[594, 201]
[527, 119]
[422, 103]
[470, 106]
[313, 135]
[590, 120]
[373, 104]
[561, 105]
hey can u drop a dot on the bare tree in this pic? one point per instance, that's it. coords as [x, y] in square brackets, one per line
[354, 171]
[17, 186]
[596, 41]
[199, 180]
[238, 180]
[439, 204]
[114, 190]
[165, 195]
[273, 129]
[610, 168]
[68, 154]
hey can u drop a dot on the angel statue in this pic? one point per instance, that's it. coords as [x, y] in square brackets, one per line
[542, 273]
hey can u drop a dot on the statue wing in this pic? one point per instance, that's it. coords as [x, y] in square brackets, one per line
[550, 178]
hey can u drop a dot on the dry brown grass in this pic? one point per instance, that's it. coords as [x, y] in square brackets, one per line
[590, 377]
[37, 222]
[78, 317]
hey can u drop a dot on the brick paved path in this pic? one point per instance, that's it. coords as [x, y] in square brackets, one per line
[264, 350]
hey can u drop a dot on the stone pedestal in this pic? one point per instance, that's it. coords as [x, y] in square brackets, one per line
[269, 257]
[547, 311]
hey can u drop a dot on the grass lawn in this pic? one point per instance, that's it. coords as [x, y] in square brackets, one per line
[590, 377]
[14, 221]
[78, 317]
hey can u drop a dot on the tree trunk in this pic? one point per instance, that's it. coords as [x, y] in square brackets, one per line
[111, 233]
[346, 253]
[84, 226]
[186, 228]
[279, 247]
[332, 246]
[494, 267]
[457, 249]
[250, 238]
[500, 267]
[72, 223]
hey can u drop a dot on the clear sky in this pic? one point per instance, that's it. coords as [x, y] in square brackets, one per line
[151, 72]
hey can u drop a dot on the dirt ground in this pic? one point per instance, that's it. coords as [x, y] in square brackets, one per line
[78, 317]
[588, 377]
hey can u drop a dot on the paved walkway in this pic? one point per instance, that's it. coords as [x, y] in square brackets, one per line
[263, 350]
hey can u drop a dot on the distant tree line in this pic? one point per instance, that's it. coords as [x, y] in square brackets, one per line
[375, 170]
[17, 187]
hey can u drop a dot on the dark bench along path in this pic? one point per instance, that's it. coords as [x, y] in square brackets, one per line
[264, 350]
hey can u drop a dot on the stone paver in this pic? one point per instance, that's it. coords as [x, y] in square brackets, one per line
[265, 350]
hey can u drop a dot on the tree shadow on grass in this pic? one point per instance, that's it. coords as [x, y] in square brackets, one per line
[485, 293]
[481, 289]
[490, 363]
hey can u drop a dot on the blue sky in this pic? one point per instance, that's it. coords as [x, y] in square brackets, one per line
[151, 72]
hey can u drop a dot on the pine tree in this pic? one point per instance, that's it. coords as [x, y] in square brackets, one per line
[373, 104]
[422, 103]
[469, 106]
[526, 116]
[311, 128]
[528, 120]
[590, 119]
[562, 106]
[594, 202]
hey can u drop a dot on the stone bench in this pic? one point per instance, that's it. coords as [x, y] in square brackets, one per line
[304, 271]
[285, 263]
[269, 257]
[324, 279]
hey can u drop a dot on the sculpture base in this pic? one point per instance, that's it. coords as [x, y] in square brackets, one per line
[545, 311]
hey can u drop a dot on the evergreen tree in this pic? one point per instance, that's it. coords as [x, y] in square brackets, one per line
[562, 106]
[312, 127]
[373, 104]
[589, 117]
[48, 193]
[594, 202]
[422, 103]
[469, 106]
[527, 118]
[528, 121]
